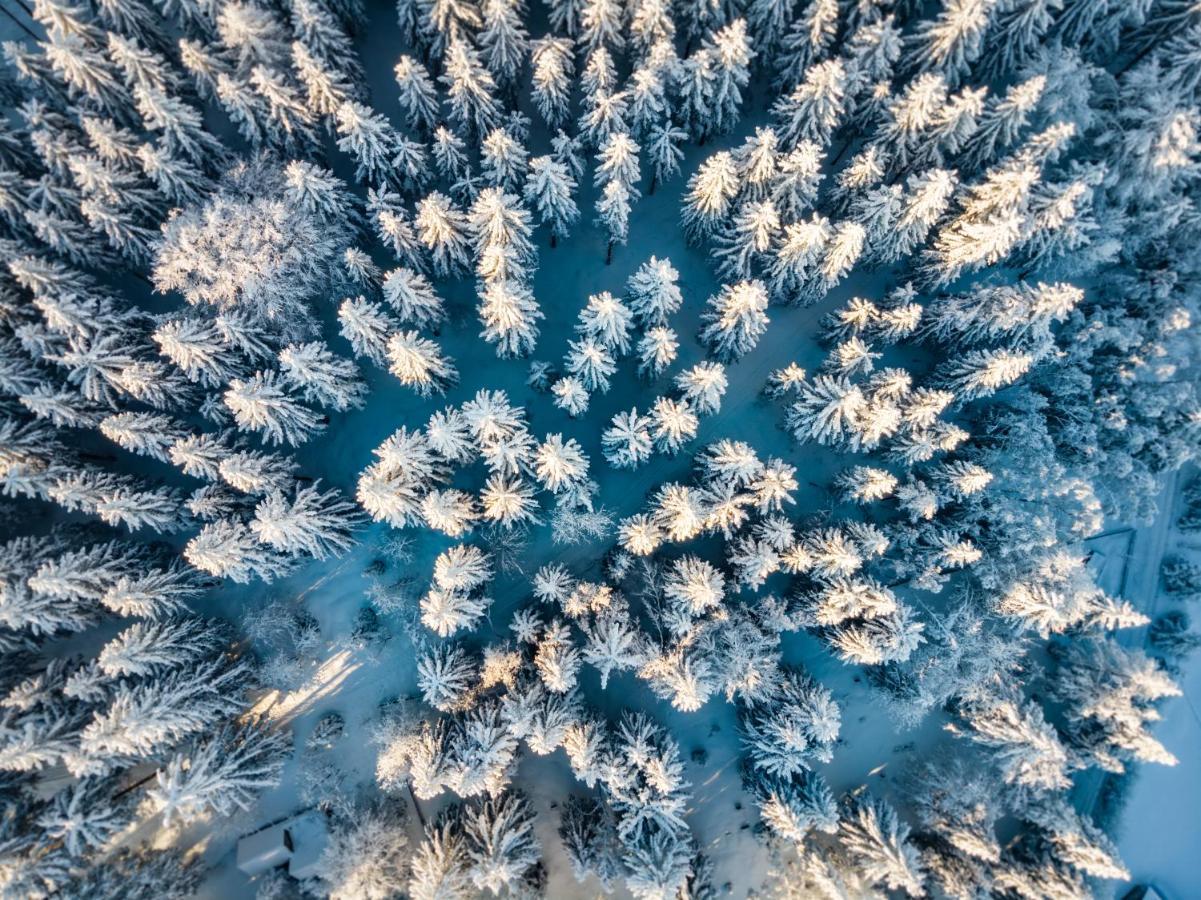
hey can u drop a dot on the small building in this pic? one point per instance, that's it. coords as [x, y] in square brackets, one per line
[309, 837]
[264, 850]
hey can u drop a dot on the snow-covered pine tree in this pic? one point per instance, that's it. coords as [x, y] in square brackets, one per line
[1110, 695]
[322, 377]
[439, 864]
[146, 434]
[951, 42]
[552, 71]
[981, 373]
[1001, 122]
[442, 228]
[613, 213]
[503, 160]
[318, 523]
[500, 227]
[794, 184]
[795, 807]
[627, 441]
[671, 424]
[228, 549]
[590, 838]
[446, 611]
[570, 395]
[746, 239]
[142, 718]
[927, 196]
[606, 320]
[703, 387]
[657, 350]
[796, 727]
[500, 844]
[1016, 35]
[509, 312]
[446, 674]
[220, 774]
[504, 39]
[1033, 757]
[865, 484]
[369, 139]
[709, 196]
[809, 40]
[366, 853]
[417, 93]
[550, 190]
[600, 25]
[470, 89]
[878, 841]
[793, 267]
[735, 320]
[412, 298]
[662, 142]
[262, 404]
[815, 108]
[658, 861]
[148, 648]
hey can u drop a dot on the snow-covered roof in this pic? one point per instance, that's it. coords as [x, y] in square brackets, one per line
[264, 850]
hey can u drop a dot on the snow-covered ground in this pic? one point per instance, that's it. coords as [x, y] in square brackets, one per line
[1159, 830]
[1159, 833]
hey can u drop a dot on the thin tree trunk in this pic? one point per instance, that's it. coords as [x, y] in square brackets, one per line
[20, 24]
[609, 254]
[1138, 57]
[137, 784]
[554, 241]
[846, 145]
[416, 805]
[654, 183]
